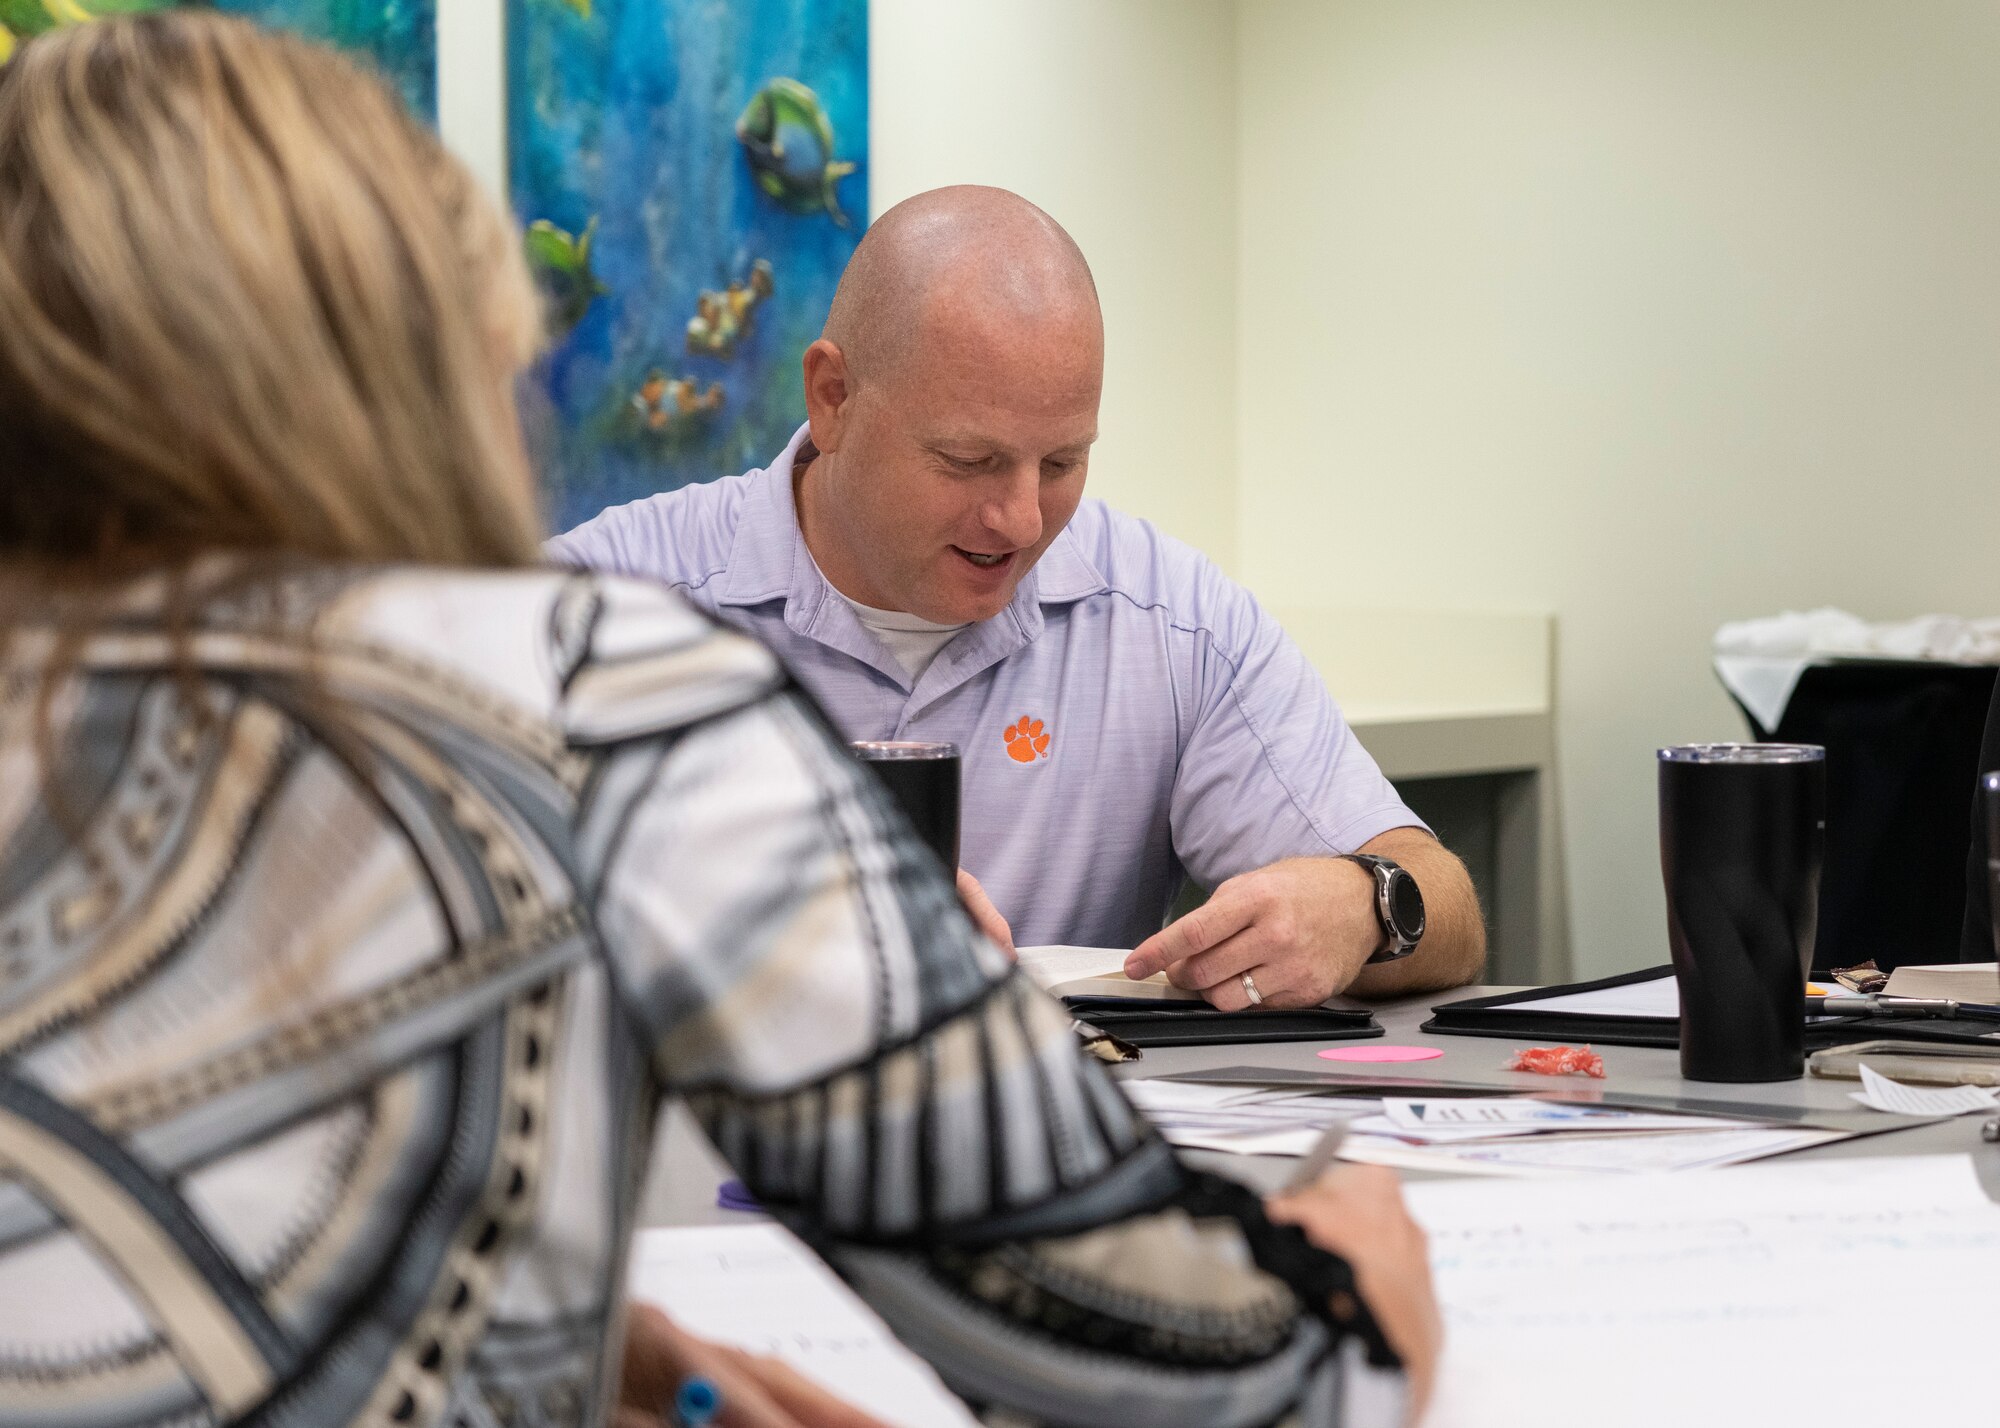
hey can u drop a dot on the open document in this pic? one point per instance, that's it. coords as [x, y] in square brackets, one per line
[1094, 972]
[1839, 1294]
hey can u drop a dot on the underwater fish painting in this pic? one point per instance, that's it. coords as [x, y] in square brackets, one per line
[684, 169]
[788, 140]
[398, 36]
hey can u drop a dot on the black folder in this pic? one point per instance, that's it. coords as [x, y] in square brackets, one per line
[1502, 1016]
[1154, 1022]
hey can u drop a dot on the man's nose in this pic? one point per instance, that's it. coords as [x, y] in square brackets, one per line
[1015, 511]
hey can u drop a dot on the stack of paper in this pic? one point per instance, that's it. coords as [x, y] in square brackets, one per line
[1497, 1135]
[1243, 1120]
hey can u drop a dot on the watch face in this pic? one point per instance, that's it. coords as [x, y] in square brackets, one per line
[1407, 904]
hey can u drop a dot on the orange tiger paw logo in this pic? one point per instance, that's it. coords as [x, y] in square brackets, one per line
[1025, 741]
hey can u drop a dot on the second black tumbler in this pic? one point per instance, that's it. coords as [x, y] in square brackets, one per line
[1742, 839]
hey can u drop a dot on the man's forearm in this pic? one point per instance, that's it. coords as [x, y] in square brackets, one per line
[1453, 950]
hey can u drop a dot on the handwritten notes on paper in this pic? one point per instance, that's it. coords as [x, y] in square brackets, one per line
[757, 1288]
[1711, 1297]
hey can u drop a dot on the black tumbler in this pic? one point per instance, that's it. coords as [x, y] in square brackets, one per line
[923, 779]
[1742, 837]
[1989, 809]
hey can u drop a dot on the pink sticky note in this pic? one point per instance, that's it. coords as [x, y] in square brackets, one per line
[1382, 1053]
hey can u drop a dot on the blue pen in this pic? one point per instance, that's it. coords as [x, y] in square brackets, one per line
[696, 1402]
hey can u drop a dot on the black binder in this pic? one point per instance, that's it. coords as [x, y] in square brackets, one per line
[1151, 1022]
[1500, 1016]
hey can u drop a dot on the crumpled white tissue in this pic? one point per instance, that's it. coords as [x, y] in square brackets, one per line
[1760, 661]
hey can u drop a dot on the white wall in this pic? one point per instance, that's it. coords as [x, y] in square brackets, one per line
[1118, 117]
[1653, 313]
[472, 87]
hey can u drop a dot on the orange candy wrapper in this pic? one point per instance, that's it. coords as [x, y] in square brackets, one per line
[1559, 1061]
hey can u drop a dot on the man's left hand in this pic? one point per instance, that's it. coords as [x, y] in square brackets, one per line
[1302, 928]
[985, 916]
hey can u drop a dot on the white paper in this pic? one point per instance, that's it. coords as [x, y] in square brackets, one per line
[758, 1288]
[1151, 1095]
[1588, 1155]
[1094, 971]
[1051, 965]
[1242, 1142]
[1416, 1112]
[1880, 1093]
[1659, 997]
[1467, 1117]
[1715, 1297]
[1440, 1135]
[1248, 1120]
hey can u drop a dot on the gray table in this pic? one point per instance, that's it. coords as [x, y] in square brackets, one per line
[686, 1171]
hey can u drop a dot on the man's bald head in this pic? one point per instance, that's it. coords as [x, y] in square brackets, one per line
[953, 403]
[955, 261]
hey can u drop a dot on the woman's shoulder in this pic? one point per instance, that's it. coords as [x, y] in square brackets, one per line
[601, 657]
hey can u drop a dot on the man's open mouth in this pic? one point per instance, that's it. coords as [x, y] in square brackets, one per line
[985, 562]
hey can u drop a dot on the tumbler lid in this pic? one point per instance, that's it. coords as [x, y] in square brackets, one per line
[1743, 754]
[898, 750]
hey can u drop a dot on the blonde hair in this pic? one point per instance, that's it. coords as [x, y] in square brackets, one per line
[247, 304]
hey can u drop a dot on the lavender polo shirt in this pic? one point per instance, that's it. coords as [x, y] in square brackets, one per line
[1131, 716]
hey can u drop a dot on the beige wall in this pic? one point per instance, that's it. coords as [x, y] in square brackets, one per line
[1651, 314]
[1118, 117]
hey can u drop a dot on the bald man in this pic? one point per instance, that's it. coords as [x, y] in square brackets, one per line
[921, 554]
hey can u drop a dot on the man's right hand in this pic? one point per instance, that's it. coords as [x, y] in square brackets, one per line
[1357, 1212]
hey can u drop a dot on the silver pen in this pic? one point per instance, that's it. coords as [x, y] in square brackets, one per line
[1319, 1159]
[1878, 1005]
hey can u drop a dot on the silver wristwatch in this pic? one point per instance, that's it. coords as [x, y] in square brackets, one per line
[1399, 906]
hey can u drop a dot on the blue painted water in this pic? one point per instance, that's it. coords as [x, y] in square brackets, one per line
[627, 116]
[399, 37]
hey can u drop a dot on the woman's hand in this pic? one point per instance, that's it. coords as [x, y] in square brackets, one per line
[1357, 1212]
[985, 916]
[757, 1392]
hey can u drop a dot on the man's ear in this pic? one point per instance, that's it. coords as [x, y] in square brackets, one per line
[829, 394]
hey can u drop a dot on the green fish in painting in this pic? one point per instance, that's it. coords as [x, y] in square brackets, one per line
[788, 140]
[561, 264]
[24, 19]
